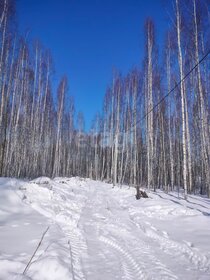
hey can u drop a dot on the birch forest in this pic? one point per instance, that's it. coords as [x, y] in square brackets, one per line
[138, 137]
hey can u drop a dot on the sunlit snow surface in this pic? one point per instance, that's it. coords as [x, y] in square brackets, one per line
[97, 232]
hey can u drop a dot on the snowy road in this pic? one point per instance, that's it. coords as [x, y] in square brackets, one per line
[100, 233]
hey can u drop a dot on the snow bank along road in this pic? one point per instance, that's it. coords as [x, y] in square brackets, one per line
[98, 232]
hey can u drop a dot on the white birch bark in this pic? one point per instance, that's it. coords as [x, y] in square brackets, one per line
[180, 59]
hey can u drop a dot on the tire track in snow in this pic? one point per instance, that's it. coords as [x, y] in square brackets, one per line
[127, 271]
[136, 271]
[156, 269]
[95, 210]
[171, 247]
[67, 216]
[76, 246]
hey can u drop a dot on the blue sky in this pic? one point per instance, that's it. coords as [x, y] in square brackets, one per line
[90, 38]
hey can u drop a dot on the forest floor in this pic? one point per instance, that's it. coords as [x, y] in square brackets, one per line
[97, 232]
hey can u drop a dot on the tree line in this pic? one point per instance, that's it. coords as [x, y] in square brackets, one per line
[132, 140]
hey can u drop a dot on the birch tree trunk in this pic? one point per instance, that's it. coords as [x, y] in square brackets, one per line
[149, 104]
[117, 131]
[204, 121]
[57, 156]
[180, 59]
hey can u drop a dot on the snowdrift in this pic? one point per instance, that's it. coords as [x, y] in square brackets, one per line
[97, 232]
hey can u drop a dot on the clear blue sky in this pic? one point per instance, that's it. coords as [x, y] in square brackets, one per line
[88, 38]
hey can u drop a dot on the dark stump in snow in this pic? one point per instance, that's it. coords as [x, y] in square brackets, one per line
[140, 193]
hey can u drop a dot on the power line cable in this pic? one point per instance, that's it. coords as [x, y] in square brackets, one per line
[177, 84]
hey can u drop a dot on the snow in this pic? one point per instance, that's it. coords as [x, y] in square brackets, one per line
[100, 232]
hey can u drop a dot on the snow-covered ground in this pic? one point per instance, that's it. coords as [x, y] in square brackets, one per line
[97, 232]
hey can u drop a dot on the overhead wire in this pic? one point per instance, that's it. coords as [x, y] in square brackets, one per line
[166, 95]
